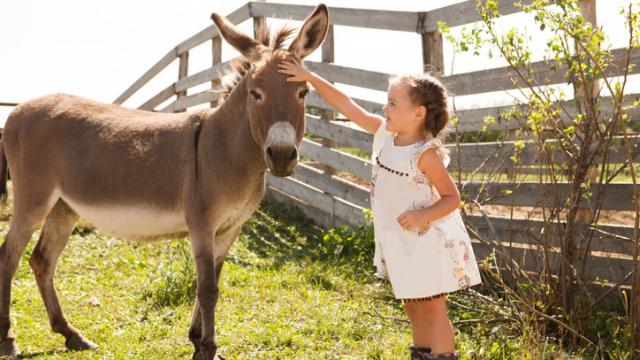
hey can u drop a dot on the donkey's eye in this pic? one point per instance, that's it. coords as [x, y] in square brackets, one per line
[256, 95]
[304, 93]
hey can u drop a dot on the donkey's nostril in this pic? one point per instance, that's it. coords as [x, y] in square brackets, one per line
[294, 154]
[269, 151]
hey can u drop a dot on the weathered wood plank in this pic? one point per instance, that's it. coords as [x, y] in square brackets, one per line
[336, 159]
[197, 39]
[351, 76]
[319, 217]
[533, 194]
[334, 186]
[203, 76]
[183, 72]
[147, 76]
[342, 134]
[489, 156]
[376, 19]
[530, 231]
[216, 60]
[159, 98]
[314, 100]
[463, 13]
[191, 100]
[473, 119]
[350, 213]
[611, 269]
[500, 79]
[328, 56]
[432, 53]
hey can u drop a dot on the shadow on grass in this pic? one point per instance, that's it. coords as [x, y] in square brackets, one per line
[40, 354]
[284, 235]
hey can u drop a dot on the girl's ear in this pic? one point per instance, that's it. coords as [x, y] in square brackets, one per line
[421, 112]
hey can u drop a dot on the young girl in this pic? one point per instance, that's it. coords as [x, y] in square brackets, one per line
[422, 245]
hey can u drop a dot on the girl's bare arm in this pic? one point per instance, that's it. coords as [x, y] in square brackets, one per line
[431, 164]
[336, 98]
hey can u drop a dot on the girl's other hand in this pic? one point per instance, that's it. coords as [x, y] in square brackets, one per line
[297, 72]
[410, 219]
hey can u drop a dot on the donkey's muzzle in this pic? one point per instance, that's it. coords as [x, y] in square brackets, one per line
[282, 159]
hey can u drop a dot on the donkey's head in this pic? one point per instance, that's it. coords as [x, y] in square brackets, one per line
[275, 106]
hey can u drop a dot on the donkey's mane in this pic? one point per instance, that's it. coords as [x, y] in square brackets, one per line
[240, 66]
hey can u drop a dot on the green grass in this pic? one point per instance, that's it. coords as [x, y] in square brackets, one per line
[288, 291]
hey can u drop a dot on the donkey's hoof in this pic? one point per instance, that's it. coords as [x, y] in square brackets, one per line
[78, 342]
[9, 348]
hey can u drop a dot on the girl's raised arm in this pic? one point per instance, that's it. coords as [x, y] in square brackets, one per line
[336, 98]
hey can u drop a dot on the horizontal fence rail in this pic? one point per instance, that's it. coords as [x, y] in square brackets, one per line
[421, 22]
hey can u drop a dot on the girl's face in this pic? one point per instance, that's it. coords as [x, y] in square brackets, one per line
[402, 115]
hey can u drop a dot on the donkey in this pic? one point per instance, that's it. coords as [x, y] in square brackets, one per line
[144, 175]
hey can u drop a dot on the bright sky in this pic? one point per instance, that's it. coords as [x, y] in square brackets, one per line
[96, 49]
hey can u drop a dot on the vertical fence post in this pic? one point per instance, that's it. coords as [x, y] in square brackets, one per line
[432, 55]
[328, 56]
[183, 71]
[216, 58]
[258, 22]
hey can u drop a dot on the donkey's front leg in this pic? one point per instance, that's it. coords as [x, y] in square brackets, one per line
[195, 329]
[207, 289]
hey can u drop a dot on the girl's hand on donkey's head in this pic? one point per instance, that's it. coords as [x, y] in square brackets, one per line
[297, 72]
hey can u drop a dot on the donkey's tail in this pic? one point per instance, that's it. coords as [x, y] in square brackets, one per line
[4, 174]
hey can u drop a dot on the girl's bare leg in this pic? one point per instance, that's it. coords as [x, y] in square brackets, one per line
[419, 324]
[431, 326]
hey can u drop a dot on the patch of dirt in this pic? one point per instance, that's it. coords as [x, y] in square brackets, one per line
[606, 216]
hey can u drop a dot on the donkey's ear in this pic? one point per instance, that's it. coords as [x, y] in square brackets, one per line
[248, 47]
[312, 33]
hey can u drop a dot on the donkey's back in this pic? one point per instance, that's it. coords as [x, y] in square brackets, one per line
[122, 169]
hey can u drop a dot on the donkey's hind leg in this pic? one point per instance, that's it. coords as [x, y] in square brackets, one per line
[26, 215]
[43, 261]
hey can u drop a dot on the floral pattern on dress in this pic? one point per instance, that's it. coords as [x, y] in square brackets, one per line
[460, 252]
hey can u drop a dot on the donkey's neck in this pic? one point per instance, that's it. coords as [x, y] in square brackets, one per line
[229, 132]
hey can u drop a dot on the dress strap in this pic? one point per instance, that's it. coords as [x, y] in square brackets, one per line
[415, 175]
[379, 139]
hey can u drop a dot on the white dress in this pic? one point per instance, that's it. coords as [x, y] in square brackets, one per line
[418, 263]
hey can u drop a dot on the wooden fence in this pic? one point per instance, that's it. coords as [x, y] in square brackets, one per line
[331, 185]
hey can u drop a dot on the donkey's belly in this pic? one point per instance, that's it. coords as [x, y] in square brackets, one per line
[131, 221]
